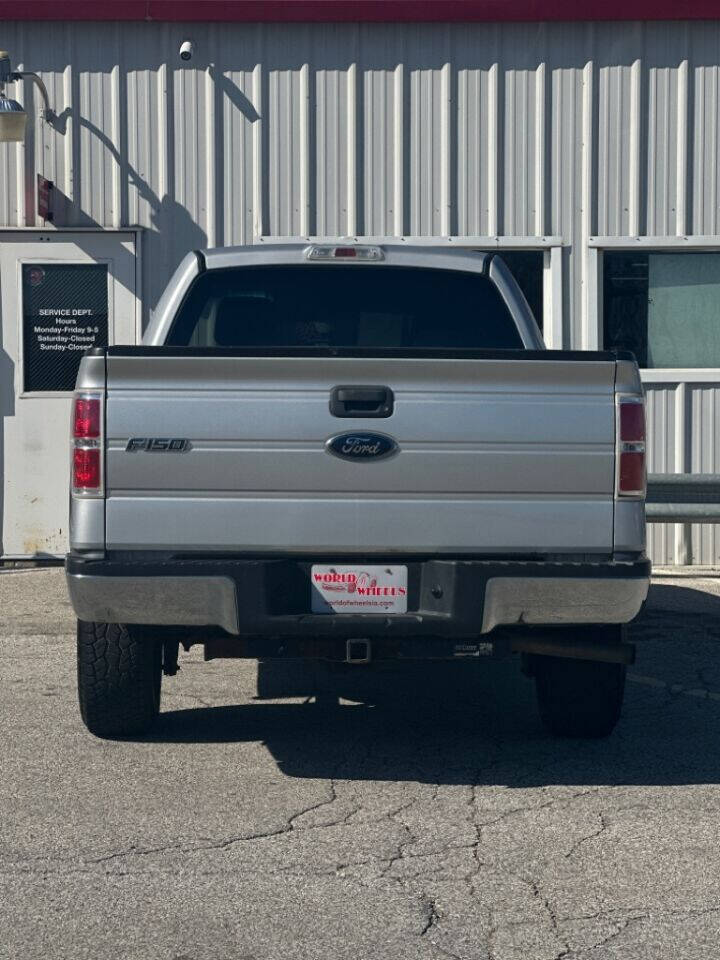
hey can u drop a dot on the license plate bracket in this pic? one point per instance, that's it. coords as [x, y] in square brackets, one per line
[358, 588]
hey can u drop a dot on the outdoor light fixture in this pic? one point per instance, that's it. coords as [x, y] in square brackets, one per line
[13, 117]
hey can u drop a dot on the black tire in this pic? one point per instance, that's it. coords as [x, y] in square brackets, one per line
[579, 698]
[119, 679]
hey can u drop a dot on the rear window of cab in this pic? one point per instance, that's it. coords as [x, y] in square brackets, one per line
[329, 305]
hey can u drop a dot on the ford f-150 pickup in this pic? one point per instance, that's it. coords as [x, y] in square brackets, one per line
[347, 454]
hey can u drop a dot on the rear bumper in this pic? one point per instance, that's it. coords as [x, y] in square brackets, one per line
[271, 597]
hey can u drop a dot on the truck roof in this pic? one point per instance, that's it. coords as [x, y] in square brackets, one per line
[426, 255]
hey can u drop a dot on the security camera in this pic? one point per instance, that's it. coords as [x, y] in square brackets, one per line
[187, 49]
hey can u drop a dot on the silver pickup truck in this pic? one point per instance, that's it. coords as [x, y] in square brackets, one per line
[346, 455]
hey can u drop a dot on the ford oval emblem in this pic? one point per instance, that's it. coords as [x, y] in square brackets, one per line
[361, 446]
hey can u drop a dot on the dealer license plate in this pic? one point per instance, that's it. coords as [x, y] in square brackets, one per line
[358, 588]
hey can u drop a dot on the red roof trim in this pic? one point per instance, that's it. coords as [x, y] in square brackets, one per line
[288, 11]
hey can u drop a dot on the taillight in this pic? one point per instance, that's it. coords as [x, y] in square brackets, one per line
[86, 469]
[87, 445]
[630, 447]
[86, 418]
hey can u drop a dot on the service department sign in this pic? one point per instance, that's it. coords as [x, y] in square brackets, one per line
[65, 313]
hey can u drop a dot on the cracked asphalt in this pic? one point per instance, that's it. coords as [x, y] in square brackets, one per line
[433, 819]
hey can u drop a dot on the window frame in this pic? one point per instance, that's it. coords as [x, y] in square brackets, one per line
[596, 249]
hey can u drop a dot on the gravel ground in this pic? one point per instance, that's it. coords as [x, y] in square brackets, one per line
[441, 823]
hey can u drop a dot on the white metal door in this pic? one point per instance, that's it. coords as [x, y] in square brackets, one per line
[60, 292]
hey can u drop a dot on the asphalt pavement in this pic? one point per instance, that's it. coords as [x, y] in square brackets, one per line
[434, 820]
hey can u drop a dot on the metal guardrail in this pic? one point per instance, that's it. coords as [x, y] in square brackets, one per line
[683, 498]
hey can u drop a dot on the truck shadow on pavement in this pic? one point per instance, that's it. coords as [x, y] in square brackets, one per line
[473, 723]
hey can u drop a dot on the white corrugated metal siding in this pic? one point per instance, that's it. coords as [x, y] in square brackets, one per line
[465, 130]
[425, 130]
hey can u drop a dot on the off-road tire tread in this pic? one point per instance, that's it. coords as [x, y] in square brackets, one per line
[119, 673]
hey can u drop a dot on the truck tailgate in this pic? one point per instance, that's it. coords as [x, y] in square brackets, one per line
[495, 456]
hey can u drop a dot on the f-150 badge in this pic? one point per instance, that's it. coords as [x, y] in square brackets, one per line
[157, 444]
[361, 446]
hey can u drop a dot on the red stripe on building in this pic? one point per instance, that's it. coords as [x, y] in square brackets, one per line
[357, 11]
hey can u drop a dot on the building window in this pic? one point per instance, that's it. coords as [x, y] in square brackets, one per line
[527, 268]
[664, 307]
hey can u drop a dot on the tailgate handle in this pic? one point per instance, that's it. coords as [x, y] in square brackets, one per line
[361, 401]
